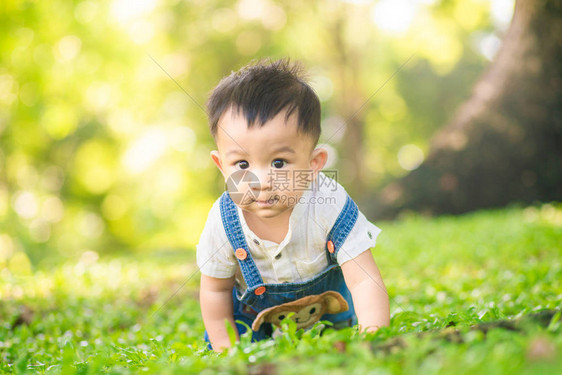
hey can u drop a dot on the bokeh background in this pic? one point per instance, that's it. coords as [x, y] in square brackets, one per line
[102, 151]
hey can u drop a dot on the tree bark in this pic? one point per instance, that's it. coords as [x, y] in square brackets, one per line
[505, 142]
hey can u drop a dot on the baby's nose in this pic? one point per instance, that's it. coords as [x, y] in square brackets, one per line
[263, 181]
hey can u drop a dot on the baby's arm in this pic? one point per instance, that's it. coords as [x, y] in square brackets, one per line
[215, 297]
[370, 298]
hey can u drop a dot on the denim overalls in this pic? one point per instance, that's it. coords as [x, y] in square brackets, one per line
[259, 296]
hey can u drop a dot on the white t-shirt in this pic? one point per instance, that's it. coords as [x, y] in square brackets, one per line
[301, 255]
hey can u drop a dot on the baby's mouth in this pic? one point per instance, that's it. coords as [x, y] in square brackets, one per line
[268, 202]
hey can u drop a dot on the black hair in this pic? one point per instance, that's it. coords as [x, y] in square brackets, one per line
[263, 89]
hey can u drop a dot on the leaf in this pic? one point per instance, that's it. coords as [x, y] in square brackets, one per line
[554, 324]
[231, 333]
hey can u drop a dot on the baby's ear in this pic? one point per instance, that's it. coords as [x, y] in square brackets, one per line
[215, 156]
[318, 159]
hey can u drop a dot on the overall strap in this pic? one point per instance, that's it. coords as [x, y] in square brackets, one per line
[235, 234]
[341, 229]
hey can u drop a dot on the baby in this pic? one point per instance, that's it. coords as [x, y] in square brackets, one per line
[283, 230]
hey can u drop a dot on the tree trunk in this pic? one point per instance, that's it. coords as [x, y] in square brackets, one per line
[505, 143]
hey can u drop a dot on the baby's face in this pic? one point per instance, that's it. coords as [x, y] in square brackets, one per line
[280, 162]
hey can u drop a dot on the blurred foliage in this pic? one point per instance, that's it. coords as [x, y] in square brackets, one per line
[100, 150]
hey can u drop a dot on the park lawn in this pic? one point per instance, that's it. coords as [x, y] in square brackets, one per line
[444, 275]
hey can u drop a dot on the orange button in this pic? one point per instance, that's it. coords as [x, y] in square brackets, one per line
[330, 246]
[241, 254]
[260, 290]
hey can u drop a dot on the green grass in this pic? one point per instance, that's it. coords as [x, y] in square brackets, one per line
[444, 275]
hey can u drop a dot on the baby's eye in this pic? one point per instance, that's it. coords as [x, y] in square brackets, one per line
[242, 164]
[278, 163]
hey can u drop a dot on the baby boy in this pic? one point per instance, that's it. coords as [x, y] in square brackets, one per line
[283, 230]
